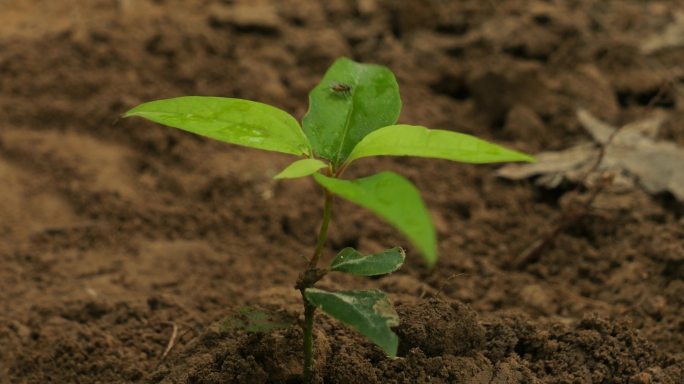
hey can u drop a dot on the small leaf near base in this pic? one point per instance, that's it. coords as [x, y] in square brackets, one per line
[301, 168]
[369, 312]
[351, 261]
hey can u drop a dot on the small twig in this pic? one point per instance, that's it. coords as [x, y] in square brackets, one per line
[173, 341]
[446, 282]
[169, 345]
[660, 95]
[533, 252]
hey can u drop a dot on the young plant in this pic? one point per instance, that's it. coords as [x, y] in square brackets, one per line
[352, 114]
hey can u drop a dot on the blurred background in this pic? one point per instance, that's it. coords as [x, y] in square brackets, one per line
[116, 234]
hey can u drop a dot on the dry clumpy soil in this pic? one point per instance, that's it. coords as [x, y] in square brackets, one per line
[115, 233]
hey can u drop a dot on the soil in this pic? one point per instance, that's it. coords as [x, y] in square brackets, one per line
[115, 235]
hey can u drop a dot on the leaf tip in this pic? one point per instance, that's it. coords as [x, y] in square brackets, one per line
[431, 262]
[430, 258]
[527, 158]
[518, 156]
[391, 351]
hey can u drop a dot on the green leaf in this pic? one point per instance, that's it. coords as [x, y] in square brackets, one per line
[369, 312]
[413, 140]
[396, 200]
[234, 121]
[301, 168]
[351, 261]
[352, 100]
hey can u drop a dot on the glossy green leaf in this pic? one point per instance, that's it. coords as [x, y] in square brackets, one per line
[369, 312]
[351, 261]
[413, 140]
[301, 168]
[396, 200]
[234, 121]
[352, 100]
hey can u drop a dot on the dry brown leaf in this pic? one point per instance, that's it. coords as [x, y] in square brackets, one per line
[633, 155]
[671, 37]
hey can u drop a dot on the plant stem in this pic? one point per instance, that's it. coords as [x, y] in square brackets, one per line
[323, 232]
[307, 282]
[309, 310]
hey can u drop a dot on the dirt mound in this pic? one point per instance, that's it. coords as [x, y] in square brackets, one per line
[507, 349]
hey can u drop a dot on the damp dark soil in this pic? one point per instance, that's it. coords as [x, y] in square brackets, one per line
[117, 237]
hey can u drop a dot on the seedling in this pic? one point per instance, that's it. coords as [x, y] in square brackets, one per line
[352, 114]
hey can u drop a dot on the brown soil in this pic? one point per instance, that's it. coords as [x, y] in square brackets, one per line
[113, 233]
